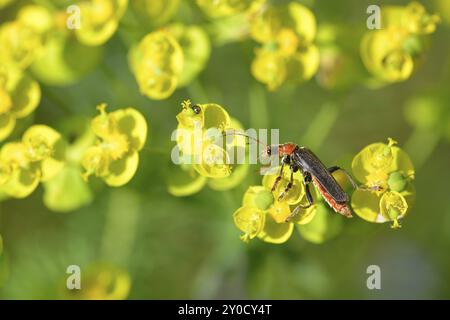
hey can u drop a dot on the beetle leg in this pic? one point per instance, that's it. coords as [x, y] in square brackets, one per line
[280, 175]
[288, 186]
[306, 182]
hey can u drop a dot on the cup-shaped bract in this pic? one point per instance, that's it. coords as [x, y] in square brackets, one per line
[121, 135]
[390, 54]
[47, 147]
[19, 96]
[157, 62]
[196, 47]
[23, 175]
[389, 173]
[99, 20]
[288, 54]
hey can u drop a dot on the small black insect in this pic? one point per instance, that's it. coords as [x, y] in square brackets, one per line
[196, 108]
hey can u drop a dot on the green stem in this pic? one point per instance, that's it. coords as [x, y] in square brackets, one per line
[119, 233]
[259, 117]
[320, 126]
[56, 100]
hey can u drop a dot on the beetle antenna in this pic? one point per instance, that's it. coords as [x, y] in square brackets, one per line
[238, 133]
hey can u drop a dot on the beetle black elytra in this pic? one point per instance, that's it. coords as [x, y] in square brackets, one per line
[313, 171]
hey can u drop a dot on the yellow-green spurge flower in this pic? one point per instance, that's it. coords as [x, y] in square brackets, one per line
[287, 53]
[121, 135]
[168, 59]
[38, 157]
[205, 155]
[99, 20]
[19, 97]
[389, 167]
[391, 52]
[380, 165]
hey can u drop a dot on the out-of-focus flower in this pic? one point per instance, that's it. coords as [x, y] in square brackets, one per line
[121, 135]
[102, 281]
[222, 8]
[287, 54]
[157, 12]
[67, 191]
[19, 97]
[99, 20]
[196, 47]
[157, 62]
[23, 39]
[38, 157]
[390, 53]
[388, 167]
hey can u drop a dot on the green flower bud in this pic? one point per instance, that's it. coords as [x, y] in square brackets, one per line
[397, 182]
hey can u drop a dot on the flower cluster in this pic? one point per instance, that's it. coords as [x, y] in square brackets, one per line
[108, 149]
[169, 58]
[287, 53]
[120, 136]
[204, 152]
[38, 157]
[387, 192]
[390, 168]
[60, 46]
[390, 54]
[263, 213]
[22, 40]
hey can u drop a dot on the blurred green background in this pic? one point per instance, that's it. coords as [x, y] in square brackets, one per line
[180, 248]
